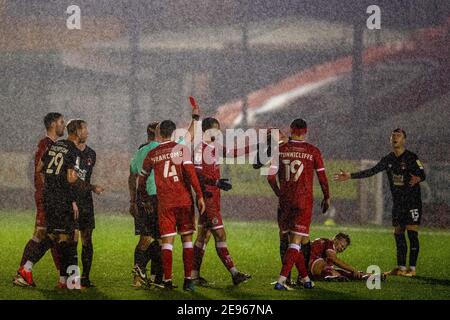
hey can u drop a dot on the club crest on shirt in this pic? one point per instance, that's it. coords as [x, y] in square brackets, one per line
[403, 166]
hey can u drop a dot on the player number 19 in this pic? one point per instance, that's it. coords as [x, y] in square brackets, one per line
[295, 167]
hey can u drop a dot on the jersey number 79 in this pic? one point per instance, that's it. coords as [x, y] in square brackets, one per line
[56, 161]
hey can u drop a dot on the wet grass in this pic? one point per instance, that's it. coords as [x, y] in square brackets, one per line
[254, 247]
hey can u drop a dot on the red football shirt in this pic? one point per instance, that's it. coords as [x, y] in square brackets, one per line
[206, 158]
[298, 160]
[174, 175]
[43, 145]
[319, 248]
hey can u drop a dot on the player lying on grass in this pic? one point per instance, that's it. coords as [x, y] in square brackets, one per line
[324, 263]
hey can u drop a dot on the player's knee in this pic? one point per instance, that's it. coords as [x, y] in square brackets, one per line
[39, 235]
[413, 236]
[399, 230]
[220, 235]
[144, 242]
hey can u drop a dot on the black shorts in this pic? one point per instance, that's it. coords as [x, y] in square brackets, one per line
[146, 224]
[86, 219]
[406, 214]
[59, 217]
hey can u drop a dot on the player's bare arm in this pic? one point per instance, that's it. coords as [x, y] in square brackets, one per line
[332, 256]
[194, 121]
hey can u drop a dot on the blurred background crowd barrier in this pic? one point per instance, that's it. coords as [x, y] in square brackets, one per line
[250, 64]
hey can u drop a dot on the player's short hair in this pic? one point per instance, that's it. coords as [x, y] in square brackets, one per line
[343, 236]
[208, 123]
[151, 128]
[50, 118]
[166, 128]
[73, 125]
[298, 124]
[400, 130]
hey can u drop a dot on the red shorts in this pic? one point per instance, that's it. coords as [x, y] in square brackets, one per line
[211, 218]
[294, 220]
[171, 220]
[40, 212]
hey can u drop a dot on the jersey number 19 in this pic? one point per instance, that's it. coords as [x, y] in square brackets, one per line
[295, 167]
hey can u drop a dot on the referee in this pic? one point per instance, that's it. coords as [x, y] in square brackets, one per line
[405, 172]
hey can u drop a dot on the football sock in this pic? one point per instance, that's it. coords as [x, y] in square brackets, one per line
[224, 255]
[29, 249]
[413, 247]
[284, 244]
[56, 255]
[69, 256]
[188, 258]
[402, 248]
[199, 252]
[87, 254]
[154, 251]
[289, 260]
[40, 250]
[139, 258]
[306, 249]
[65, 257]
[166, 253]
[28, 266]
[300, 265]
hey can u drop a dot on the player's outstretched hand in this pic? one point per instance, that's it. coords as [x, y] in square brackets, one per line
[98, 189]
[76, 212]
[224, 184]
[325, 205]
[414, 180]
[342, 176]
[201, 205]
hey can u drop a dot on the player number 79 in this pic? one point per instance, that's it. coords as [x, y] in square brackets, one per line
[57, 160]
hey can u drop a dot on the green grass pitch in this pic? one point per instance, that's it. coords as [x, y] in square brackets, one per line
[254, 247]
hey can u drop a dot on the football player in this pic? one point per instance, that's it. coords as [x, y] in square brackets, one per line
[39, 244]
[174, 175]
[298, 161]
